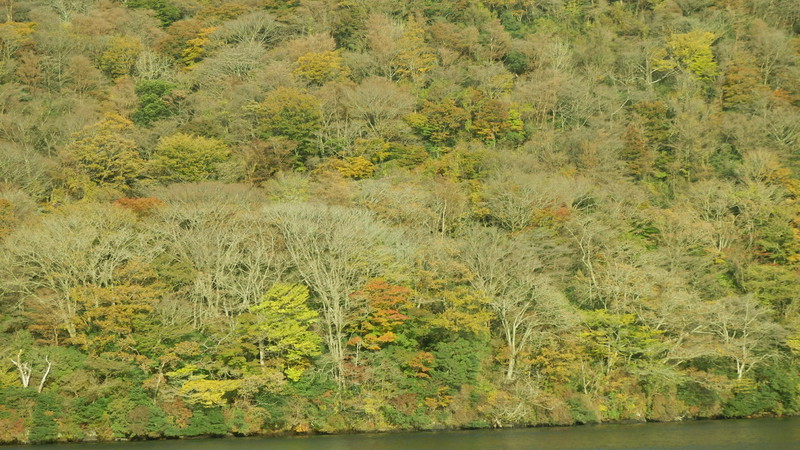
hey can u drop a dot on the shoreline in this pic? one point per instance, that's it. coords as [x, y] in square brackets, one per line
[293, 434]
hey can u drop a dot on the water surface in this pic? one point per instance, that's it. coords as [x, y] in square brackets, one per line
[781, 433]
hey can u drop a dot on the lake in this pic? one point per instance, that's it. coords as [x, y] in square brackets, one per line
[777, 433]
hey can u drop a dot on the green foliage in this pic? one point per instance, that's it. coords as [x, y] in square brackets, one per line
[207, 422]
[166, 11]
[749, 400]
[44, 427]
[516, 62]
[773, 285]
[155, 102]
[580, 413]
[293, 114]
[89, 412]
[456, 363]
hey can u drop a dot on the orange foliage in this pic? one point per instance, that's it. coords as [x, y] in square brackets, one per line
[141, 206]
[386, 304]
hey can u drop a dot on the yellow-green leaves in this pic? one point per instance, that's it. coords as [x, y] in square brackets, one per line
[185, 158]
[208, 392]
[292, 114]
[691, 52]
[283, 327]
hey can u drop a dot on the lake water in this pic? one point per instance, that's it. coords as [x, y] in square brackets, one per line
[715, 434]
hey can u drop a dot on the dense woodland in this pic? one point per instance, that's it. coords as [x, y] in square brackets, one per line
[272, 216]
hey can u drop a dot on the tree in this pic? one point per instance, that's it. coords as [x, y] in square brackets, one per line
[105, 154]
[516, 200]
[334, 250]
[619, 340]
[691, 52]
[505, 270]
[320, 68]
[383, 36]
[185, 158]
[221, 258]
[742, 82]
[259, 27]
[290, 113]
[282, 327]
[378, 104]
[414, 56]
[166, 11]
[493, 120]
[155, 101]
[111, 321]
[744, 331]
[78, 246]
[386, 307]
[195, 49]
[439, 122]
[120, 56]
[239, 61]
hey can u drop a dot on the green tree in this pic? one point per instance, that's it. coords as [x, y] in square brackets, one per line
[166, 11]
[293, 114]
[155, 101]
[45, 413]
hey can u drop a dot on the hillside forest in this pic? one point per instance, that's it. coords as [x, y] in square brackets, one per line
[291, 216]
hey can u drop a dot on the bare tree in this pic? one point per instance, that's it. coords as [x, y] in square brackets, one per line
[334, 250]
[232, 252]
[24, 369]
[46, 373]
[78, 246]
[508, 271]
[745, 331]
[379, 104]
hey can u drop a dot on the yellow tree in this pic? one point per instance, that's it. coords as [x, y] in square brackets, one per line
[319, 68]
[105, 154]
[120, 56]
[196, 47]
[414, 56]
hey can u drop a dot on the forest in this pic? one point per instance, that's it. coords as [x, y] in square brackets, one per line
[254, 217]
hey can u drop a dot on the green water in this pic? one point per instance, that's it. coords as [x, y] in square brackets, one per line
[721, 434]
